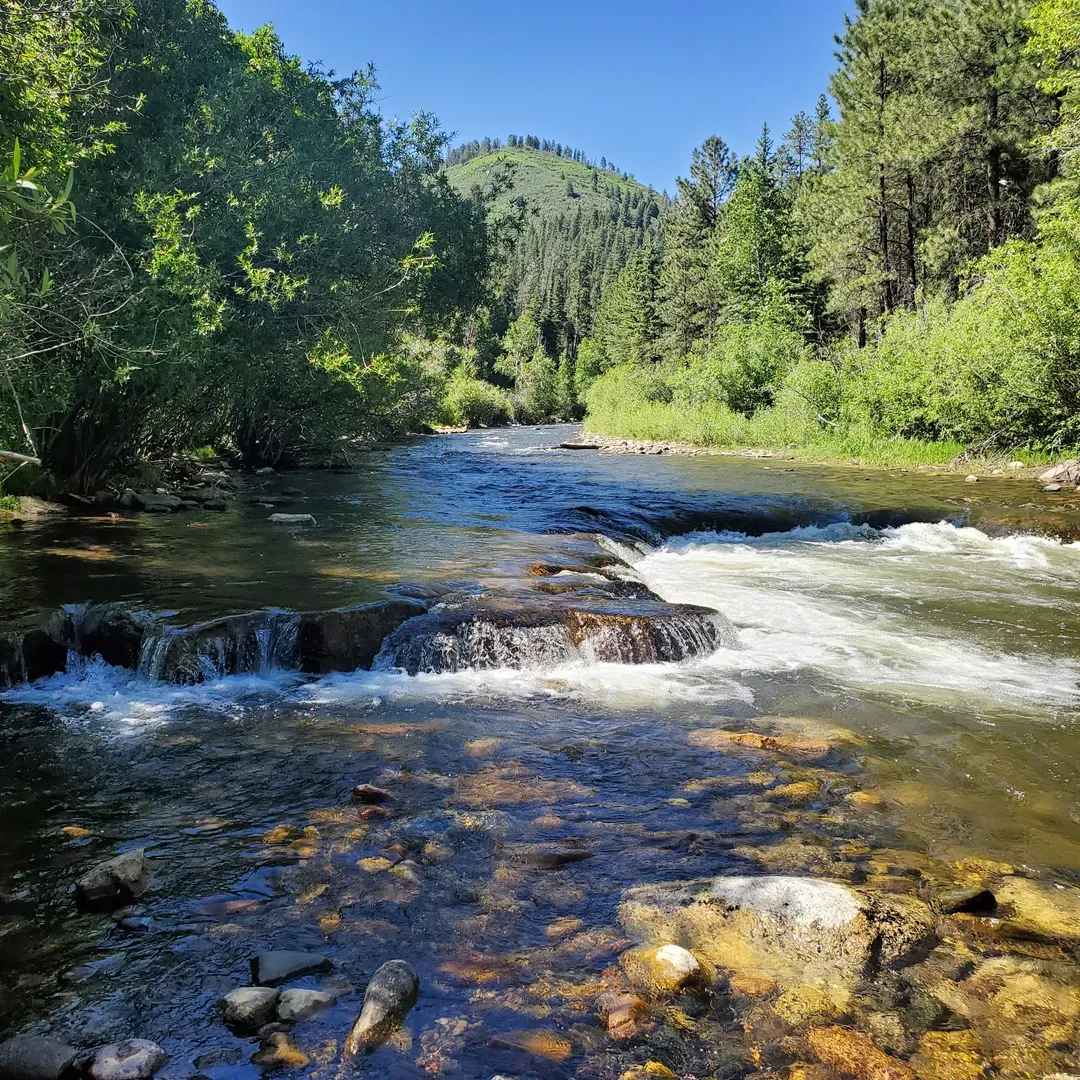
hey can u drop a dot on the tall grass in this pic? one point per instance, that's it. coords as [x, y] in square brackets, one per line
[615, 411]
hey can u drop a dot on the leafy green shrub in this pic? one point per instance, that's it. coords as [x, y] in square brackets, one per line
[743, 367]
[474, 403]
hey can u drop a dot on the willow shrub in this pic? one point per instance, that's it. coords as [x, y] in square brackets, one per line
[1002, 362]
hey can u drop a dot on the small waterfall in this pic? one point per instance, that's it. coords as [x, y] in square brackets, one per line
[651, 639]
[454, 637]
[478, 644]
[249, 644]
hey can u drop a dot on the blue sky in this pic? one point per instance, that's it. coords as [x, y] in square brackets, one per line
[639, 82]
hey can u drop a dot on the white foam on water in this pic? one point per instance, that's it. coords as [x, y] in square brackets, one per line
[592, 684]
[929, 608]
[129, 703]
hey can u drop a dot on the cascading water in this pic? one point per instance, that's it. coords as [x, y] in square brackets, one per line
[251, 644]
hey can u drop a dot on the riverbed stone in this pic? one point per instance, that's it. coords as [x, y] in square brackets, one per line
[272, 968]
[115, 881]
[249, 1007]
[278, 1051]
[667, 969]
[299, 1004]
[34, 1057]
[292, 519]
[1040, 909]
[42, 655]
[112, 632]
[794, 930]
[389, 996]
[133, 1059]
[348, 639]
[851, 1053]
[370, 795]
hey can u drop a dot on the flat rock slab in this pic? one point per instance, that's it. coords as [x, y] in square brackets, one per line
[272, 968]
[34, 1057]
[793, 929]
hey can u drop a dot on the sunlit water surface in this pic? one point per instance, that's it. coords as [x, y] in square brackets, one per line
[899, 608]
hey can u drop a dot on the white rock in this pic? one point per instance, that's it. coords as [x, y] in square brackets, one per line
[802, 900]
[973, 479]
[679, 966]
[135, 1059]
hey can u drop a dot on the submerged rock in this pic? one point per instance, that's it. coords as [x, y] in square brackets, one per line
[134, 1059]
[795, 930]
[271, 968]
[34, 1057]
[292, 519]
[370, 795]
[624, 1015]
[278, 1051]
[1039, 909]
[249, 1007]
[388, 998]
[540, 1042]
[348, 639]
[851, 1053]
[116, 881]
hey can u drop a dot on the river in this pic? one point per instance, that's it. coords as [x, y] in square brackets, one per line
[924, 629]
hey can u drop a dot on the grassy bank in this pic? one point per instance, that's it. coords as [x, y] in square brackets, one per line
[788, 431]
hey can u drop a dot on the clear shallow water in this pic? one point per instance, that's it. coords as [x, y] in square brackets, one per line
[892, 607]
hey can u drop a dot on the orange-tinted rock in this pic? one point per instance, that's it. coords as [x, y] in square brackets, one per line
[625, 1014]
[851, 1053]
[540, 1042]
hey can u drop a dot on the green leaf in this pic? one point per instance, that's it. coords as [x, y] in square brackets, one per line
[16, 159]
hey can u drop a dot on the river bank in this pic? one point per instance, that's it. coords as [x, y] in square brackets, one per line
[654, 697]
[890, 454]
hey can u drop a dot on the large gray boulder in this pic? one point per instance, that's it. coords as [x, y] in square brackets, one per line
[1064, 472]
[34, 1057]
[133, 1059]
[389, 996]
[272, 968]
[116, 881]
[795, 930]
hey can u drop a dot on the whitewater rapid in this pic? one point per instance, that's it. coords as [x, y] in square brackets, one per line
[921, 607]
[934, 612]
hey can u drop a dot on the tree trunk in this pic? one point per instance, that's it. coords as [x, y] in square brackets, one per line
[993, 171]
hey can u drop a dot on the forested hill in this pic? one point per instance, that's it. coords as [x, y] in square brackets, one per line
[582, 225]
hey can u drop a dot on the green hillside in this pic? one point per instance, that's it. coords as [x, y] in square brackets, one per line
[582, 225]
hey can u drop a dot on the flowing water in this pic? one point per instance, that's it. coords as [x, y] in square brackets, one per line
[926, 627]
